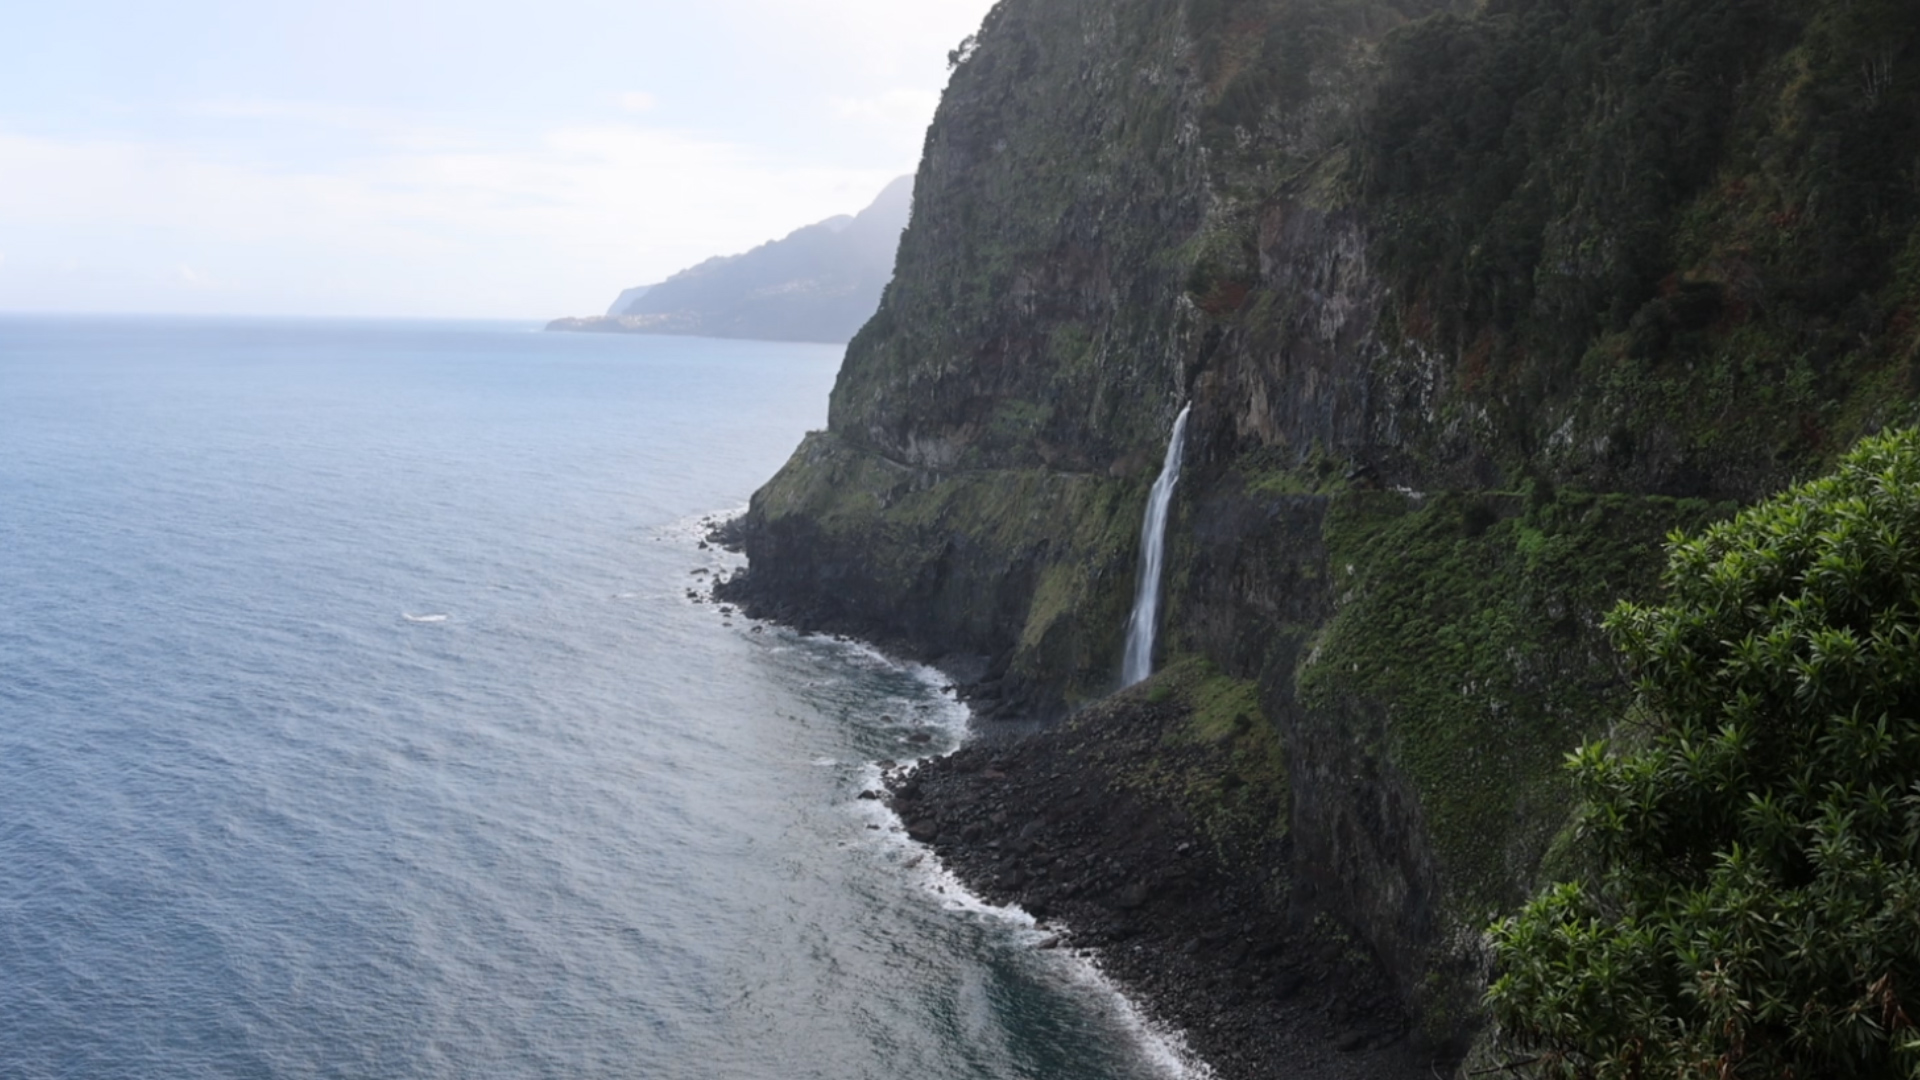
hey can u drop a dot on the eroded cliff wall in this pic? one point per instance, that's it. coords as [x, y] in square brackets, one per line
[1473, 302]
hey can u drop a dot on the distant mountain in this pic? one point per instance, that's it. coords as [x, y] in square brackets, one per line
[820, 283]
[626, 297]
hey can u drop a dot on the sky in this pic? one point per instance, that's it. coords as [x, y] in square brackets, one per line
[437, 159]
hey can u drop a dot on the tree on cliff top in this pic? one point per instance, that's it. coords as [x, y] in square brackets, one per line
[1753, 907]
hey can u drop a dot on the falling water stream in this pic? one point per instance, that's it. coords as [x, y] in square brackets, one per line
[1153, 538]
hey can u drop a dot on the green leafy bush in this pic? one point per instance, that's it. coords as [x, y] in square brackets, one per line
[1753, 903]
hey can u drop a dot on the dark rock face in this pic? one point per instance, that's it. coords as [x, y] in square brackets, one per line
[1057, 825]
[1030, 321]
[1444, 408]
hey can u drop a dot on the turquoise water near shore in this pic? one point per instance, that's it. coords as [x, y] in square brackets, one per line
[355, 722]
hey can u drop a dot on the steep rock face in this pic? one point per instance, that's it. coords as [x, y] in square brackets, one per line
[1029, 568]
[1473, 304]
[1032, 318]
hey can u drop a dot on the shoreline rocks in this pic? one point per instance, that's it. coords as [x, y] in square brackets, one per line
[1187, 908]
[1046, 822]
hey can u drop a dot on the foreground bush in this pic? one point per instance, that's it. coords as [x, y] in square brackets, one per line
[1752, 907]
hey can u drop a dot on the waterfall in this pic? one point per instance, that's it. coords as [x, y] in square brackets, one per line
[1153, 538]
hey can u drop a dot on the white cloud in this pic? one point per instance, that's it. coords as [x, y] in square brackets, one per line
[199, 281]
[305, 112]
[488, 192]
[883, 37]
[384, 127]
[429, 224]
[900, 115]
[894, 107]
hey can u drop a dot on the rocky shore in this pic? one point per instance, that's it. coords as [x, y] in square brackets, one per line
[1148, 830]
[1064, 823]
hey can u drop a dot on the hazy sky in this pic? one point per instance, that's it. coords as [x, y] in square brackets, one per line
[428, 157]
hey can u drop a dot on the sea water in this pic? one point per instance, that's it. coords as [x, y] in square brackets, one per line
[355, 721]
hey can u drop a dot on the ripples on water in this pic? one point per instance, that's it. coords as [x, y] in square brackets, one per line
[354, 723]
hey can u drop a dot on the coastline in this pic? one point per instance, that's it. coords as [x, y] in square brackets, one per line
[1043, 819]
[1041, 822]
[1166, 1047]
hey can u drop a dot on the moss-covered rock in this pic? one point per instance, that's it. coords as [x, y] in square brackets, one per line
[1463, 657]
[1030, 568]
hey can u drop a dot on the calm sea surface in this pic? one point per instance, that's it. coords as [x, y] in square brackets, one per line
[355, 722]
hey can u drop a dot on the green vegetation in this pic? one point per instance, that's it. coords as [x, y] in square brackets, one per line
[1753, 906]
[1221, 763]
[1038, 559]
[1471, 621]
[1679, 213]
[1268, 67]
[1542, 156]
[1274, 471]
[1026, 324]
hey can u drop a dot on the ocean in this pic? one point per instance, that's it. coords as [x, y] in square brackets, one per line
[356, 720]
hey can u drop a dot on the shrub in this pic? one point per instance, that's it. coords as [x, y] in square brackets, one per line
[1752, 904]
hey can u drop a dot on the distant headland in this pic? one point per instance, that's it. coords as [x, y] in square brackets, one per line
[819, 283]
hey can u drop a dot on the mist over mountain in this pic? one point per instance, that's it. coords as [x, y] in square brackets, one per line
[819, 283]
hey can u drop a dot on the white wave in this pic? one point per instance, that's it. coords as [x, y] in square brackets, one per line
[1163, 1048]
[951, 714]
[410, 617]
[694, 528]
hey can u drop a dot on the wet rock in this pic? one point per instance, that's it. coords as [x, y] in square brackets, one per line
[1207, 947]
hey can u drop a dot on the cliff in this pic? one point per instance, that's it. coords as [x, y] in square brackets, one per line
[818, 283]
[1474, 302]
